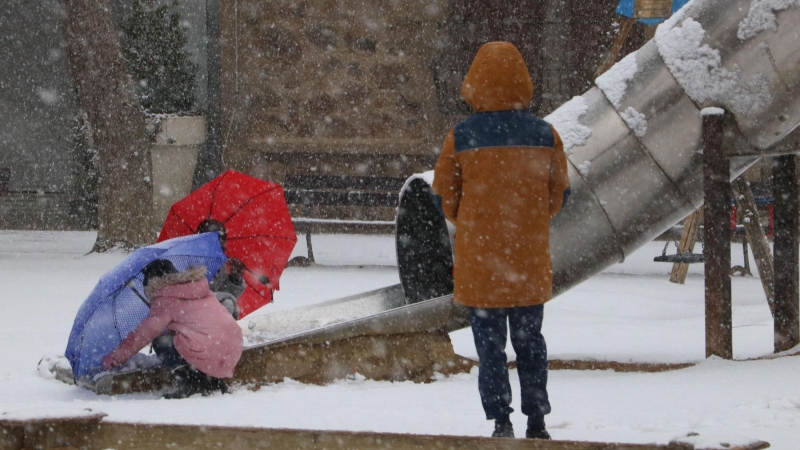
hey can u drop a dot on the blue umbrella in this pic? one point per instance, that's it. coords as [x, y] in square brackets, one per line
[117, 304]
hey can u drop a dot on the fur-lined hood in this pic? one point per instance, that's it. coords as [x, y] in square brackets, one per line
[192, 274]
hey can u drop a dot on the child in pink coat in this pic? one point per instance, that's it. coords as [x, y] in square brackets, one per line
[203, 342]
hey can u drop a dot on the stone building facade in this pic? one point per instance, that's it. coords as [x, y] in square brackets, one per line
[366, 90]
[335, 96]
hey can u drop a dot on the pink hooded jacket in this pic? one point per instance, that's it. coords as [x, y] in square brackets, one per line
[206, 334]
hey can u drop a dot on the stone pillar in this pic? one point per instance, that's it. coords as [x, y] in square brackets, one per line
[174, 158]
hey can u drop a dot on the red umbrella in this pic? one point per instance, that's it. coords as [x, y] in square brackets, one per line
[257, 223]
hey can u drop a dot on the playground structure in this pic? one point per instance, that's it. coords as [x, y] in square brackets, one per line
[645, 150]
[636, 144]
[636, 163]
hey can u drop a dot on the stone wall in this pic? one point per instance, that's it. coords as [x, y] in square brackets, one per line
[339, 87]
[351, 75]
[356, 88]
[326, 77]
[562, 41]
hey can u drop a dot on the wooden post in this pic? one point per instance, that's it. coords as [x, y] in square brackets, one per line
[746, 205]
[787, 319]
[717, 238]
[624, 30]
[691, 232]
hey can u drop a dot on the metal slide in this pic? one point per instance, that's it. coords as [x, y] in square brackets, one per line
[635, 165]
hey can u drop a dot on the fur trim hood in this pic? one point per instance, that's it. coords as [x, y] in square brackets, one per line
[192, 274]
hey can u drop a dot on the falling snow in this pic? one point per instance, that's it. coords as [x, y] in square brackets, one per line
[48, 96]
[644, 318]
[627, 313]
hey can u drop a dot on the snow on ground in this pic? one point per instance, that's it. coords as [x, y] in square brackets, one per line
[629, 312]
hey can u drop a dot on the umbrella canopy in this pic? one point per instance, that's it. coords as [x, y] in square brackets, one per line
[258, 227]
[117, 305]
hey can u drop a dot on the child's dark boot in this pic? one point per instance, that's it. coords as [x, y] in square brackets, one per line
[503, 428]
[188, 381]
[214, 385]
[536, 428]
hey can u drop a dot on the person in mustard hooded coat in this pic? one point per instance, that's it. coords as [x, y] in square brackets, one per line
[502, 175]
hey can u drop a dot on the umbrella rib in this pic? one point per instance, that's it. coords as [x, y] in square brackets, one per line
[80, 351]
[257, 291]
[114, 312]
[183, 221]
[248, 201]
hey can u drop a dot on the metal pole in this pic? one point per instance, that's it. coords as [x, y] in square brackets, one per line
[209, 159]
[787, 319]
[717, 234]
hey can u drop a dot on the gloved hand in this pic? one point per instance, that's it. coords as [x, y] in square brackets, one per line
[237, 266]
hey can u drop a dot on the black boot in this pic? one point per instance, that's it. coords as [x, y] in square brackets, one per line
[188, 381]
[215, 384]
[223, 386]
[536, 428]
[503, 428]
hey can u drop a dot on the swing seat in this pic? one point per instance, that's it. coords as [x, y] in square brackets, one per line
[683, 258]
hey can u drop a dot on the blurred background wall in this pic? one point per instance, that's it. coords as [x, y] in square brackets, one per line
[328, 97]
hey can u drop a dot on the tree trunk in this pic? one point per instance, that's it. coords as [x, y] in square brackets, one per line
[98, 70]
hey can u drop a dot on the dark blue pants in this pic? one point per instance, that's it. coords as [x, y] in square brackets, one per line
[165, 349]
[490, 330]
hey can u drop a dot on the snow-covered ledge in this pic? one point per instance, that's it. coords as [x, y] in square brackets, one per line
[174, 157]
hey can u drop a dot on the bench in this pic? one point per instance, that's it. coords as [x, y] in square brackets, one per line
[307, 194]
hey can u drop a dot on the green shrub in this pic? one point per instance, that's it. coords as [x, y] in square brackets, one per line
[152, 43]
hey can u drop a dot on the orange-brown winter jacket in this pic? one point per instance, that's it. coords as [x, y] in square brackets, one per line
[501, 174]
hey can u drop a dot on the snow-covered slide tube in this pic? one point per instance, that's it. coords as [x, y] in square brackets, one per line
[634, 147]
[634, 141]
